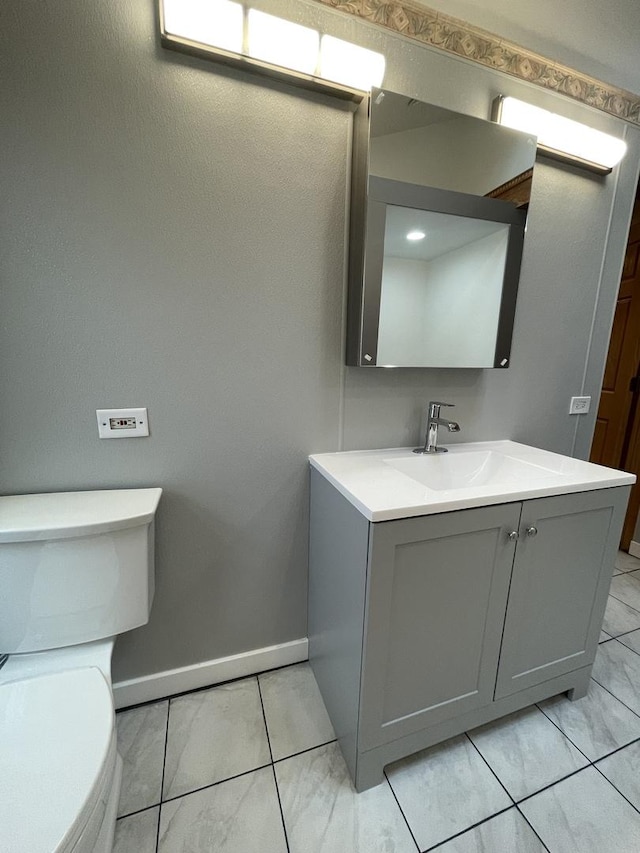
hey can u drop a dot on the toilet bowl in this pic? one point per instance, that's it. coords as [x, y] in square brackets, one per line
[76, 569]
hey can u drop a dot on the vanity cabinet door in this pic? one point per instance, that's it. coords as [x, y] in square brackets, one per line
[560, 582]
[437, 589]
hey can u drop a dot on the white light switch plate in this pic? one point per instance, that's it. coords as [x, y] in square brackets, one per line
[122, 423]
[579, 405]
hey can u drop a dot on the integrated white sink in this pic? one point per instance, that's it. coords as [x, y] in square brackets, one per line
[397, 483]
[444, 471]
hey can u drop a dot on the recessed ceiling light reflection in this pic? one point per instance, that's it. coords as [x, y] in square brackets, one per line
[416, 235]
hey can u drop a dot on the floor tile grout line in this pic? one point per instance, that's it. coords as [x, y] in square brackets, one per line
[508, 793]
[393, 794]
[625, 572]
[616, 750]
[139, 811]
[616, 595]
[302, 751]
[622, 601]
[590, 764]
[552, 784]
[215, 784]
[284, 825]
[612, 595]
[236, 776]
[164, 764]
[531, 827]
[593, 761]
[469, 828]
[563, 733]
[625, 645]
[616, 788]
[264, 718]
[622, 633]
[604, 687]
[273, 767]
[158, 830]
[486, 761]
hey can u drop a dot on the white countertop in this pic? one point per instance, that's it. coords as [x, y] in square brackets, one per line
[491, 472]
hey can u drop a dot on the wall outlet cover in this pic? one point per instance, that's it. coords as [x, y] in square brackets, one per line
[122, 423]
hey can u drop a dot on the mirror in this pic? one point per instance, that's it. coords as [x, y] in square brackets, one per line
[439, 205]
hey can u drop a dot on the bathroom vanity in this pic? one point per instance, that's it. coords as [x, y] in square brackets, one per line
[447, 591]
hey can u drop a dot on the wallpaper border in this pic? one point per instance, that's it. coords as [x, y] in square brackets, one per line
[463, 39]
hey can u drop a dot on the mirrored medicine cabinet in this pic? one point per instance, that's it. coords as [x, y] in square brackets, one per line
[438, 213]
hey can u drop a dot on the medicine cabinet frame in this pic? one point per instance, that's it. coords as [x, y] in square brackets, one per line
[371, 196]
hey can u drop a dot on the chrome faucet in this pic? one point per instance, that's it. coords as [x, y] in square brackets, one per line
[433, 422]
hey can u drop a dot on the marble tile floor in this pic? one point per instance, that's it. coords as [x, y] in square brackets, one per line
[253, 766]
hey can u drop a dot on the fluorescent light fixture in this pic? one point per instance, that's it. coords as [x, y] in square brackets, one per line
[561, 137]
[282, 42]
[237, 35]
[218, 23]
[350, 64]
[416, 235]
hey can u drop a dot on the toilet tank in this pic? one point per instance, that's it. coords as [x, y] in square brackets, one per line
[75, 566]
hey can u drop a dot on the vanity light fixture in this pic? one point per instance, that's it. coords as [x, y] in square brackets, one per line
[218, 23]
[283, 43]
[232, 33]
[416, 235]
[350, 64]
[559, 137]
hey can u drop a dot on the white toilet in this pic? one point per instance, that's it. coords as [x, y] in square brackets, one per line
[76, 568]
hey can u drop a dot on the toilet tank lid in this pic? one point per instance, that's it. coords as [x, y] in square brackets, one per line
[64, 515]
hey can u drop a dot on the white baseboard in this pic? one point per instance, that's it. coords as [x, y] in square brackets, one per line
[634, 549]
[147, 688]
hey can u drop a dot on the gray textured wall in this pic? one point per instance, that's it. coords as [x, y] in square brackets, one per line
[172, 236]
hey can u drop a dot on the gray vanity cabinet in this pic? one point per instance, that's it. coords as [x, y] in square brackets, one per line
[559, 586]
[425, 627]
[437, 593]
